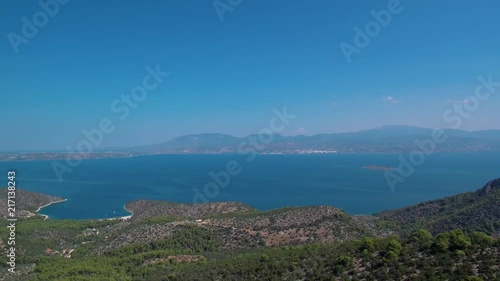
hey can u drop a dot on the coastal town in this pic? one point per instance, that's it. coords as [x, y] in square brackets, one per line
[30, 156]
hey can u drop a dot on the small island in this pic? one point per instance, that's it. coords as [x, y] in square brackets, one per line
[380, 168]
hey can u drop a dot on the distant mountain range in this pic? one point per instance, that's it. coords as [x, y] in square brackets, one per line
[386, 139]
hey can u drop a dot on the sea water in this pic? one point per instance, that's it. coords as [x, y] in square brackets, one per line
[99, 188]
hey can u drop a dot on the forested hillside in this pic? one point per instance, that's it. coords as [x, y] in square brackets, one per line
[454, 238]
[479, 210]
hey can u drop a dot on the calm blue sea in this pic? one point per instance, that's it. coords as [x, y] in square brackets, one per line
[100, 188]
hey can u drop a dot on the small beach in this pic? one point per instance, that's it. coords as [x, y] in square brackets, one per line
[123, 217]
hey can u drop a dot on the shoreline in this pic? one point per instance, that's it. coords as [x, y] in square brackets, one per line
[125, 208]
[122, 217]
[352, 213]
[126, 217]
[46, 205]
[64, 200]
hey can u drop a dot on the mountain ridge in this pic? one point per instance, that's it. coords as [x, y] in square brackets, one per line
[392, 138]
[384, 139]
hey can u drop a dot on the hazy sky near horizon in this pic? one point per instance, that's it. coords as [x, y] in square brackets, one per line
[227, 76]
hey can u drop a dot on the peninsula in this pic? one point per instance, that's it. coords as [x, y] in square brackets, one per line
[28, 203]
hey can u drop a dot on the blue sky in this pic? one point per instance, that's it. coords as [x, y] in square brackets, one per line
[227, 76]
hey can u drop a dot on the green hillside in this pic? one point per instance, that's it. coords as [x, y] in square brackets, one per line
[479, 210]
[454, 238]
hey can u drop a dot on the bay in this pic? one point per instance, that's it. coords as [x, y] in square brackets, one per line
[99, 188]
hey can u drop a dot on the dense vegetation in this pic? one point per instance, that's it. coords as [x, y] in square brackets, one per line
[451, 255]
[479, 210]
[35, 235]
[146, 208]
[453, 238]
